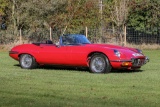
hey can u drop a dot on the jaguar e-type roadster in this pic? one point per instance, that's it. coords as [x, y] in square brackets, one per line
[77, 51]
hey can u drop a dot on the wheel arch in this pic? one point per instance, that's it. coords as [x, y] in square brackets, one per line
[93, 53]
[108, 67]
[26, 53]
[32, 64]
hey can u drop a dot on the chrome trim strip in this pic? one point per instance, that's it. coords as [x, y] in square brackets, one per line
[120, 61]
[13, 52]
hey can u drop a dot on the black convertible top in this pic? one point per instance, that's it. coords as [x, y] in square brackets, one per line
[47, 42]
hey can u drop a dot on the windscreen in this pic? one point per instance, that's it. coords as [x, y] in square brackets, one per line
[74, 39]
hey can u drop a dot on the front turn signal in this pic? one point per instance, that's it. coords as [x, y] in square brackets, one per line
[125, 63]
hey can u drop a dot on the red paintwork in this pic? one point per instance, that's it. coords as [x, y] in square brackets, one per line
[76, 55]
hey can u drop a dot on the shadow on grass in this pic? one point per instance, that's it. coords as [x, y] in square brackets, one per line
[17, 65]
[81, 69]
[69, 68]
[126, 71]
[59, 67]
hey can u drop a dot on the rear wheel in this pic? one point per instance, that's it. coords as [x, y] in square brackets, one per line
[27, 61]
[99, 63]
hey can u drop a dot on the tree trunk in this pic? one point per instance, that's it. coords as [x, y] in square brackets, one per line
[20, 36]
[50, 33]
[86, 32]
[125, 34]
[13, 18]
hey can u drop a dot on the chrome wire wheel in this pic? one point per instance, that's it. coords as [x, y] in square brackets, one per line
[27, 61]
[98, 64]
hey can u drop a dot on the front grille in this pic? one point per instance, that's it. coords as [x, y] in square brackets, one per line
[138, 62]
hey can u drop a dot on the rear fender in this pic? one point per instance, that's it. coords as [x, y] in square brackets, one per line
[26, 53]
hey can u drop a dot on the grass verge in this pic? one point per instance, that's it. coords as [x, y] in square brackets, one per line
[72, 88]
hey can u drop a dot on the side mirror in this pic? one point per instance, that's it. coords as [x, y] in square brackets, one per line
[58, 45]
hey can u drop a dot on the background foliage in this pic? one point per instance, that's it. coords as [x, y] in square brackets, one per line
[36, 17]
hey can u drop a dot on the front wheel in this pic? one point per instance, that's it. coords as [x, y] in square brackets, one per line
[99, 63]
[27, 61]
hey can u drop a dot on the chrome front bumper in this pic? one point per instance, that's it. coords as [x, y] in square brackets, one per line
[146, 60]
[140, 62]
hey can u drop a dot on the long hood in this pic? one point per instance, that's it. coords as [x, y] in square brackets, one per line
[109, 46]
[126, 51]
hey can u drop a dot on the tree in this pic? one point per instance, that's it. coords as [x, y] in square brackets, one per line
[75, 14]
[30, 14]
[3, 6]
[118, 15]
[16, 15]
[145, 15]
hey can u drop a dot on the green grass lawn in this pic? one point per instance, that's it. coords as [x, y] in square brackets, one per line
[45, 87]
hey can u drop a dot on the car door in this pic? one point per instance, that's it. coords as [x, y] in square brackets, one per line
[77, 55]
[52, 54]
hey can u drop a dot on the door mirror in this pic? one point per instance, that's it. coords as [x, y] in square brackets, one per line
[58, 45]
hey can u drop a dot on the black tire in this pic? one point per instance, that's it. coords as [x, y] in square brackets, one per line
[99, 63]
[27, 61]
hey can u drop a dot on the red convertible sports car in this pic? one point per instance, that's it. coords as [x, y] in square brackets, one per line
[77, 51]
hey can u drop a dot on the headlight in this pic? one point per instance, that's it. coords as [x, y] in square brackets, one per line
[117, 53]
[139, 51]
